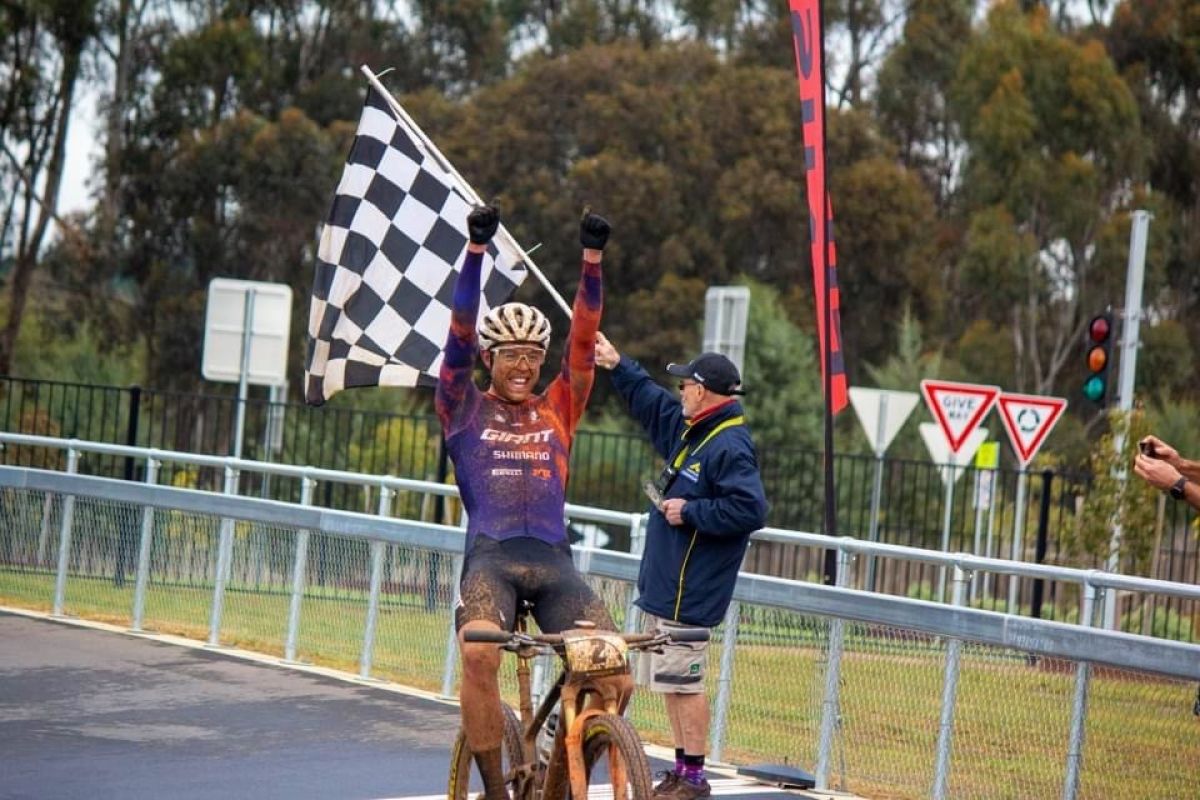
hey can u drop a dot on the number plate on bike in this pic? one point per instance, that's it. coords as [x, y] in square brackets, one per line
[594, 653]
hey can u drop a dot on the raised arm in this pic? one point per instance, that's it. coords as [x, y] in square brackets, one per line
[655, 408]
[573, 386]
[456, 395]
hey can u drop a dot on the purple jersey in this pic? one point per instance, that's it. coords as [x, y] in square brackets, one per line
[511, 459]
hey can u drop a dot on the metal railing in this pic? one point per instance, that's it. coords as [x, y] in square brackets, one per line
[889, 500]
[956, 631]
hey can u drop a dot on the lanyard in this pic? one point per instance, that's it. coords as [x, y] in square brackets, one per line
[667, 477]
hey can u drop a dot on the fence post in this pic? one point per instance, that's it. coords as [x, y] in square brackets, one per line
[224, 559]
[452, 639]
[143, 562]
[452, 636]
[941, 773]
[637, 542]
[299, 571]
[830, 711]
[725, 679]
[64, 539]
[364, 661]
[1043, 532]
[1092, 597]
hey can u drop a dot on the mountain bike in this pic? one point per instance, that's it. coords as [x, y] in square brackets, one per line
[590, 737]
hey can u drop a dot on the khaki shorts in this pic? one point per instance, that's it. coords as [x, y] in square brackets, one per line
[678, 669]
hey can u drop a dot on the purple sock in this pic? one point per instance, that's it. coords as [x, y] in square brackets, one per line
[679, 761]
[693, 769]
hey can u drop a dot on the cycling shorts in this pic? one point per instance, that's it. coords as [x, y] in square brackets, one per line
[497, 575]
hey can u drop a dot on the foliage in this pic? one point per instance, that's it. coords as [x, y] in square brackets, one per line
[982, 170]
[1116, 498]
[782, 376]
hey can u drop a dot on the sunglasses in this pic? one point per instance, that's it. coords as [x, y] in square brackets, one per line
[511, 356]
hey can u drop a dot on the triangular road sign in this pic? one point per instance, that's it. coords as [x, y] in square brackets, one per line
[1028, 419]
[882, 414]
[951, 465]
[958, 407]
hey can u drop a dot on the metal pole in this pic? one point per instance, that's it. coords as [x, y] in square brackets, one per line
[994, 477]
[830, 704]
[1079, 705]
[224, 558]
[633, 616]
[1018, 531]
[947, 518]
[299, 573]
[980, 476]
[244, 373]
[452, 639]
[941, 776]
[1039, 551]
[452, 636]
[725, 679]
[64, 539]
[877, 487]
[1134, 277]
[377, 548]
[143, 562]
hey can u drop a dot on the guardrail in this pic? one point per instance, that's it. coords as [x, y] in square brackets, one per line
[1080, 643]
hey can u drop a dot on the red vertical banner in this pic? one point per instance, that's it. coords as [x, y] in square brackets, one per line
[807, 31]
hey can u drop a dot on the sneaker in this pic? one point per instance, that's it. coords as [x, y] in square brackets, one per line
[686, 790]
[665, 786]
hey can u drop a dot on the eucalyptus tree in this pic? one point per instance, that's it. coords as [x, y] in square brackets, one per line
[42, 44]
[1054, 153]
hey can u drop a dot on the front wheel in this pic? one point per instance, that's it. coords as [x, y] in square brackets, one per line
[612, 747]
[462, 759]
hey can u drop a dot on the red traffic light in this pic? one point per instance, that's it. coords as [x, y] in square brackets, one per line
[1098, 330]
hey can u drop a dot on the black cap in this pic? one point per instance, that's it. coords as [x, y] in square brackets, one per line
[713, 371]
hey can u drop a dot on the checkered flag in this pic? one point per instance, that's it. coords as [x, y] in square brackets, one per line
[389, 254]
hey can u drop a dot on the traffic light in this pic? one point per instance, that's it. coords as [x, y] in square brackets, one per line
[1097, 352]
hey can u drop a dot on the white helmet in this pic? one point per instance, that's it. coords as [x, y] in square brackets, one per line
[514, 322]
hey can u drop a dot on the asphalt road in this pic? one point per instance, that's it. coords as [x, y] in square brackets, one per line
[95, 714]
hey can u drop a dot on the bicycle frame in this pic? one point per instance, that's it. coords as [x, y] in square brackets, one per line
[566, 756]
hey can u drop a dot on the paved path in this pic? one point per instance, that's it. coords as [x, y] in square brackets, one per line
[94, 714]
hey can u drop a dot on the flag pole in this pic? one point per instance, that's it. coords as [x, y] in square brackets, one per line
[444, 162]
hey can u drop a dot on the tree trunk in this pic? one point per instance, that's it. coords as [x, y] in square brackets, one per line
[28, 253]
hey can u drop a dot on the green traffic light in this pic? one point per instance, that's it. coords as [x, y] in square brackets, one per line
[1093, 389]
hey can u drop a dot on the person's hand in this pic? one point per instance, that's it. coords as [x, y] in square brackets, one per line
[593, 231]
[482, 223]
[1154, 447]
[606, 355]
[1157, 472]
[673, 510]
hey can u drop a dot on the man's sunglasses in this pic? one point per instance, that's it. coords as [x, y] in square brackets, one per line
[511, 356]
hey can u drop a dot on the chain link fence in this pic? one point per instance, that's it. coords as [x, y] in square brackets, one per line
[1011, 716]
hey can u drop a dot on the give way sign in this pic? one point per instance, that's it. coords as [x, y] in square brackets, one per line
[958, 408]
[1028, 419]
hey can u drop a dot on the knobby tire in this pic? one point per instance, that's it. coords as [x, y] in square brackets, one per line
[462, 760]
[604, 733]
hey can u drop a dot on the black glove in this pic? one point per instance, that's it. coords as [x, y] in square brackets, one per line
[593, 231]
[482, 223]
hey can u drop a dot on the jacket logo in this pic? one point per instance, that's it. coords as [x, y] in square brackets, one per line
[691, 472]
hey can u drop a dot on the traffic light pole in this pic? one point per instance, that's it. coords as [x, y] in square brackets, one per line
[1134, 278]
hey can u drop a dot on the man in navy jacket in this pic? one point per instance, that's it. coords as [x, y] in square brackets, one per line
[707, 501]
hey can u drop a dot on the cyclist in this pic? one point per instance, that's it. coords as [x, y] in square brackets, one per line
[510, 449]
